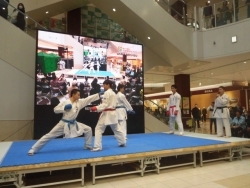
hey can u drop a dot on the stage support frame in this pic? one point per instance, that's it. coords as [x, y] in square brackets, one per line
[17, 177]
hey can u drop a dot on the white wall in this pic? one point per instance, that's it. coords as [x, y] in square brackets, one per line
[17, 72]
[204, 47]
[176, 33]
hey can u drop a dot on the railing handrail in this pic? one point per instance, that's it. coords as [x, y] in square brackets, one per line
[25, 15]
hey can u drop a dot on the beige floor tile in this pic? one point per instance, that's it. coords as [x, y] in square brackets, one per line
[144, 180]
[210, 185]
[235, 182]
[195, 180]
[124, 184]
[163, 177]
[177, 183]
[211, 176]
[156, 185]
[100, 185]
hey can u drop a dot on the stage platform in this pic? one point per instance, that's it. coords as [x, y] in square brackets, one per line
[145, 149]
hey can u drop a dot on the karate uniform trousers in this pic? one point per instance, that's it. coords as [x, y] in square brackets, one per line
[62, 128]
[108, 117]
[173, 119]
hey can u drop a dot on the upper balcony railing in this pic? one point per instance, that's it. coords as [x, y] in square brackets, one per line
[17, 16]
[222, 13]
[182, 15]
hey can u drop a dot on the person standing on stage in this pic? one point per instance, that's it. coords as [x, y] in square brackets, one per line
[68, 126]
[173, 110]
[210, 109]
[108, 117]
[221, 113]
[121, 109]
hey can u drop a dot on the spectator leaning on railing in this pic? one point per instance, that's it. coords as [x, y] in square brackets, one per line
[4, 8]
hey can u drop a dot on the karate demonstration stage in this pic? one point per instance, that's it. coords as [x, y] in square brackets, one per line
[145, 149]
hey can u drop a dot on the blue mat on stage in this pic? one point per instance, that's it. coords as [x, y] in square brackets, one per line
[72, 149]
[96, 74]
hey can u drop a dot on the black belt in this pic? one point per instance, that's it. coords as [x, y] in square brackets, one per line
[120, 107]
[220, 108]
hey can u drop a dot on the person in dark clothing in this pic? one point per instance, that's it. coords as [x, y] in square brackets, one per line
[247, 130]
[236, 7]
[4, 9]
[207, 13]
[96, 88]
[204, 114]
[239, 108]
[196, 115]
[20, 19]
[248, 8]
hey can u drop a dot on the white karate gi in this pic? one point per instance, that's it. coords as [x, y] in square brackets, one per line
[121, 110]
[91, 67]
[108, 118]
[174, 105]
[62, 127]
[98, 66]
[221, 113]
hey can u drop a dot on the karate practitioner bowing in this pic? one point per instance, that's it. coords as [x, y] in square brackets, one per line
[174, 112]
[68, 125]
[108, 117]
[122, 107]
[221, 113]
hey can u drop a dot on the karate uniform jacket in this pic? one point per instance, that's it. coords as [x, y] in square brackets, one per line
[221, 101]
[174, 104]
[125, 106]
[71, 114]
[109, 102]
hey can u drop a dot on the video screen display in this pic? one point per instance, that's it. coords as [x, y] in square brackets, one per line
[65, 62]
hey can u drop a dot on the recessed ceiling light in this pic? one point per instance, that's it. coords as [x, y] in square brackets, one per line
[3, 8]
[245, 62]
[148, 38]
[212, 73]
[26, 17]
[114, 9]
[47, 12]
[200, 84]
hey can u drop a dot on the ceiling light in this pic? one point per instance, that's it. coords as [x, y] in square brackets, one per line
[26, 17]
[47, 12]
[200, 84]
[3, 8]
[212, 73]
[114, 9]
[245, 62]
[148, 38]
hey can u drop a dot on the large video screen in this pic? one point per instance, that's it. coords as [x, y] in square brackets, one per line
[65, 62]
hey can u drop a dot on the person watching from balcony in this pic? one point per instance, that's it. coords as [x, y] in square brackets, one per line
[4, 9]
[20, 20]
[207, 13]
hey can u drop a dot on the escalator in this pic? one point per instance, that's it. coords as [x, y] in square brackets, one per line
[155, 117]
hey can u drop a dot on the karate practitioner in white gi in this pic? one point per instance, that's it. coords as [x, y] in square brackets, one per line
[174, 111]
[68, 126]
[108, 117]
[91, 67]
[221, 113]
[121, 109]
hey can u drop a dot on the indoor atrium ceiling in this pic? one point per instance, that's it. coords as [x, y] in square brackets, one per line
[202, 73]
